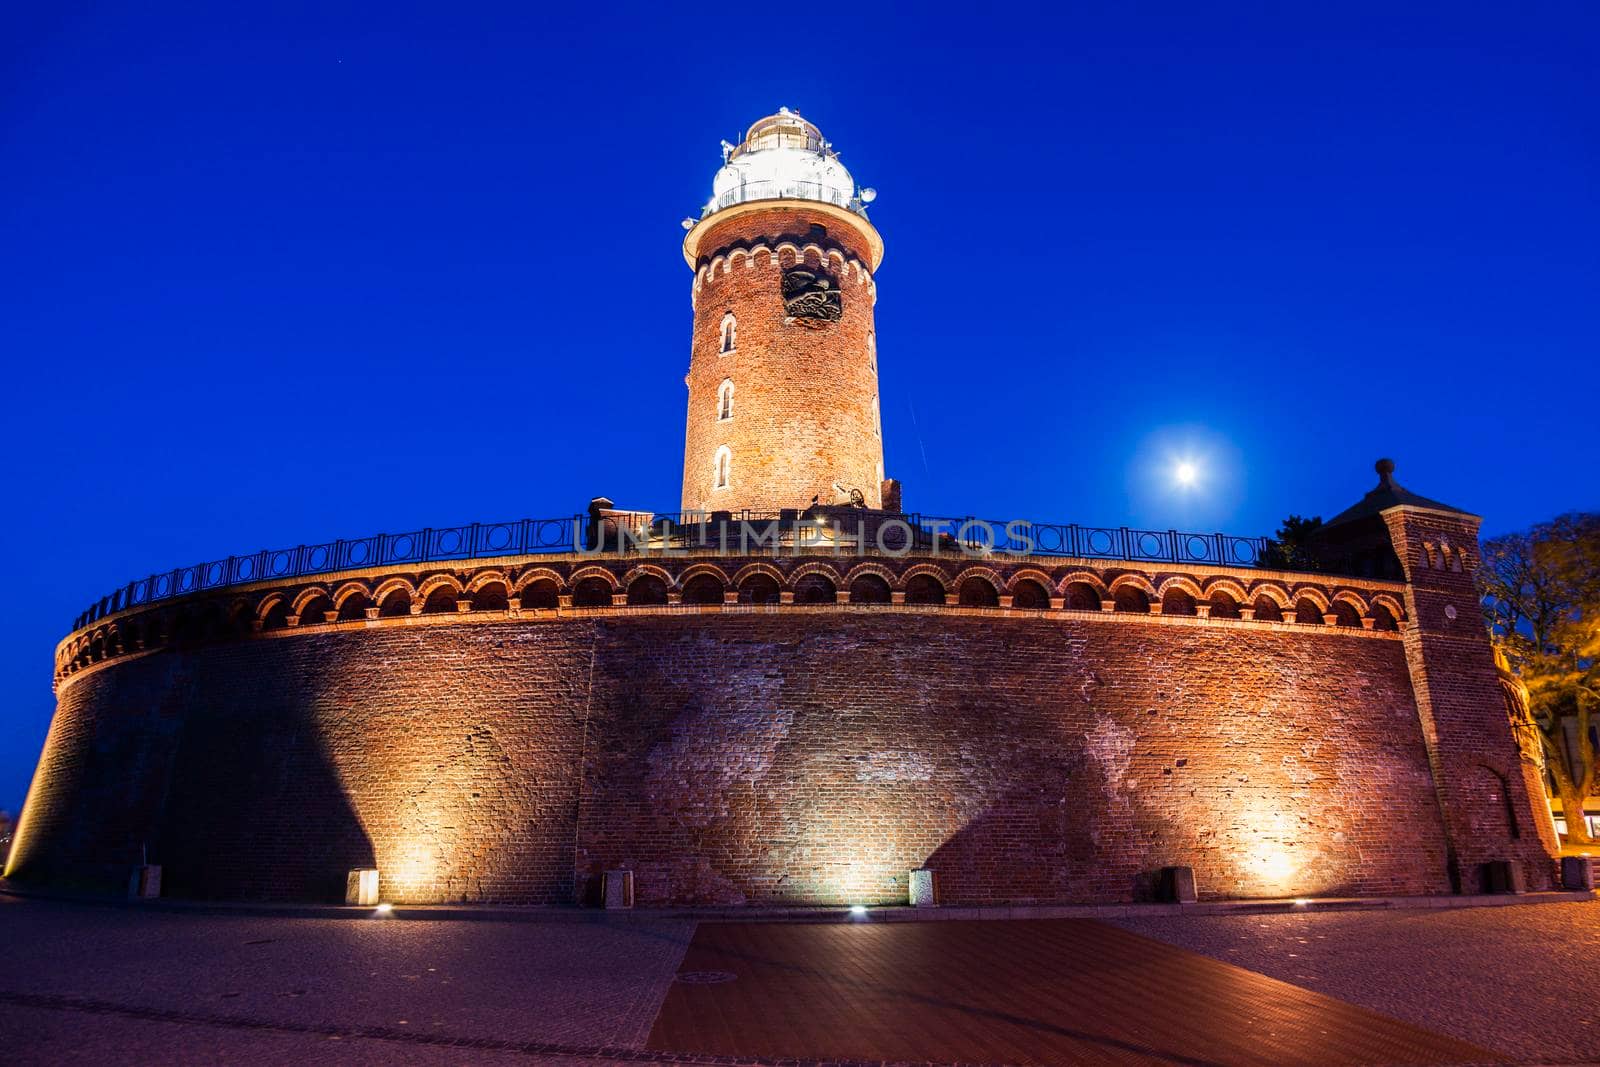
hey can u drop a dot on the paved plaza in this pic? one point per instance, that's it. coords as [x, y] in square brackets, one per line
[90, 984]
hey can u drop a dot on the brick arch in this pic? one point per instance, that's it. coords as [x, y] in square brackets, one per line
[1391, 604]
[1133, 594]
[1354, 599]
[822, 571]
[695, 570]
[827, 570]
[869, 568]
[389, 587]
[1180, 582]
[790, 247]
[433, 582]
[743, 573]
[489, 591]
[758, 583]
[592, 571]
[1273, 591]
[390, 584]
[937, 573]
[307, 596]
[534, 584]
[1313, 594]
[266, 604]
[1089, 578]
[1228, 586]
[1225, 599]
[348, 590]
[1138, 581]
[534, 574]
[1029, 591]
[868, 585]
[647, 570]
[988, 574]
[483, 578]
[697, 582]
[1179, 596]
[647, 585]
[1029, 574]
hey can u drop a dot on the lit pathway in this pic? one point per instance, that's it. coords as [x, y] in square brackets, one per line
[1039, 991]
[91, 985]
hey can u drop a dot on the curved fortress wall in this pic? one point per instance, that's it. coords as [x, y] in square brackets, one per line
[766, 755]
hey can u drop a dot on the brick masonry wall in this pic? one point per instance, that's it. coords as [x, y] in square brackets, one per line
[1493, 798]
[804, 405]
[267, 769]
[760, 756]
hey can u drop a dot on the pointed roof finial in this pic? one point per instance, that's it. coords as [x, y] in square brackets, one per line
[1386, 494]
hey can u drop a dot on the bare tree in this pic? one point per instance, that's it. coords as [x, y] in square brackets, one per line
[1541, 599]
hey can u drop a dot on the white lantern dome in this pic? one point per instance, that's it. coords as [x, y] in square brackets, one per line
[783, 157]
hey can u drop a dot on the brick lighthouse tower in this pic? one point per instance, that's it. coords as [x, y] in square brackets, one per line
[783, 370]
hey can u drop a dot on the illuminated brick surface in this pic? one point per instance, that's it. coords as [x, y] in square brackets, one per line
[803, 409]
[790, 756]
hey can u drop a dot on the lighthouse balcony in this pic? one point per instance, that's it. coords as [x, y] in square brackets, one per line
[786, 189]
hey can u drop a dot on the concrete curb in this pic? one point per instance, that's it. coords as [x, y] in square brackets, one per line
[889, 913]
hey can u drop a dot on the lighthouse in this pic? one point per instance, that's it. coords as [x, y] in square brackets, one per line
[783, 366]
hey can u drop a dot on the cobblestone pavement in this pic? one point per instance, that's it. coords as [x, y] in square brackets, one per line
[79, 982]
[1524, 981]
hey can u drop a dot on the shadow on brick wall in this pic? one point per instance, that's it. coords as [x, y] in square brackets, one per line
[256, 810]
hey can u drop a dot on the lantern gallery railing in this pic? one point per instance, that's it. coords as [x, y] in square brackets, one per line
[835, 529]
[780, 189]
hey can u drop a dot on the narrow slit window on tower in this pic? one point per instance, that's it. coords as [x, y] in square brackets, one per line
[725, 399]
[730, 332]
[872, 352]
[723, 462]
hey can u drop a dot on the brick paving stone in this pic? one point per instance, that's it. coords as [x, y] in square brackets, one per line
[1520, 980]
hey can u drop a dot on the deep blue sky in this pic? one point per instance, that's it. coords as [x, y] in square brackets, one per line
[273, 277]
